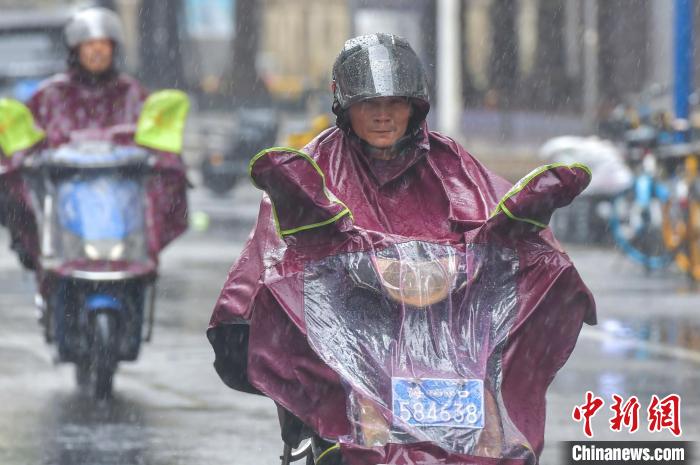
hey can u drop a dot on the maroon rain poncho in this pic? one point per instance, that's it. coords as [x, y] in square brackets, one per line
[70, 102]
[267, 328]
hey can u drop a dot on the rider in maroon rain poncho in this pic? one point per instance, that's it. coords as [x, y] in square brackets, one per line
[94, 95]
[399, 180]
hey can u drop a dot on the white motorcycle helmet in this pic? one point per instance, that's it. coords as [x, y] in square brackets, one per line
[94, 23]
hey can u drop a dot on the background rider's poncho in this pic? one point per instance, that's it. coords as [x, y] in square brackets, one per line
[436, 193]
[68, 102]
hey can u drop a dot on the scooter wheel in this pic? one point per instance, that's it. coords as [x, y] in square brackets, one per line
[103, 361]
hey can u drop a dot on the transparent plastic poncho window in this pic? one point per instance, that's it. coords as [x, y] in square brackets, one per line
[93, 215]
[416, 332]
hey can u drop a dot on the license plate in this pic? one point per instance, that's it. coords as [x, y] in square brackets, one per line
[457, 403]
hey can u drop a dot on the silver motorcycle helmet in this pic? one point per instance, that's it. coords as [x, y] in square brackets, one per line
[379, 65]
[94, 23]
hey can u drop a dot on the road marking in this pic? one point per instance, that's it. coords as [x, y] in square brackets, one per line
[655, 348]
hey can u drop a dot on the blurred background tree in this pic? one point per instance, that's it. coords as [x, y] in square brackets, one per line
[241, 80]
[503, 63]
[159, 43]
[548, 85]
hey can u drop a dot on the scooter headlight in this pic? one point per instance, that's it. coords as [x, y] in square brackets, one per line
[91, 251]
[117, 251]
[418, 284]
[110, 250]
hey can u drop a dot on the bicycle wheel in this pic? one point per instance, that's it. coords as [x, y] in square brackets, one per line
[637, 228]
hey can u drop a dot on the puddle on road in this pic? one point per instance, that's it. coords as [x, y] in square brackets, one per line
[77, 430]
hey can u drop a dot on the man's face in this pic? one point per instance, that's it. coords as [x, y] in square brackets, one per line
[381, 121]
[96, 55]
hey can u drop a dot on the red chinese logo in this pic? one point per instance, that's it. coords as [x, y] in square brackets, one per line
[661, 413]
[586, 411]
[665, 413]
[625, 415]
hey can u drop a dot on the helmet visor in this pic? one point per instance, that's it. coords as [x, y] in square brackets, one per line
[380, 71]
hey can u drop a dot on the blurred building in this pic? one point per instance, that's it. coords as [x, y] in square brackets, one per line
[530, 53]
[300, 39]
[515, 54]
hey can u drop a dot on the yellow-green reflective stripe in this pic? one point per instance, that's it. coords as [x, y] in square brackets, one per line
[526, 220]
[325, 452]
[287, 232]
[520, 185]
[329, 195]
[261, 153]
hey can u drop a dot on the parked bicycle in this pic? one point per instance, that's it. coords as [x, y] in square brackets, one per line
[681, 212]
[636, 216]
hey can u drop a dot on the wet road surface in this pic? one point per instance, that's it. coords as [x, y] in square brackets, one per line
[647, 342]
[170, 408]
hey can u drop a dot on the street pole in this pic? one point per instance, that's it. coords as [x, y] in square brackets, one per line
[590, 64]
[449, 92]
[683, 54]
